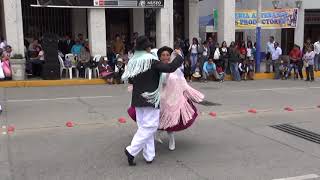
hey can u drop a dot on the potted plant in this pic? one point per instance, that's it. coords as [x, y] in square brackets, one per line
[18, 67]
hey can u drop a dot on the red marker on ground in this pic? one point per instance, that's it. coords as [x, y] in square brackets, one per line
[122, 120]
[252, 111]
[213, 114]
[11, 129]
[69, 124]
[288, 109]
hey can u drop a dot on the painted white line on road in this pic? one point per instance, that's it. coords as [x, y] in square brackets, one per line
[304, 177]
[275, 89]
[57, 99]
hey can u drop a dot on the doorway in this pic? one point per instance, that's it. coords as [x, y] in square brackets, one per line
[287, 40]
[117, 22]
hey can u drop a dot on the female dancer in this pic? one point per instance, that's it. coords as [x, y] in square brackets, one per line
[177, 111]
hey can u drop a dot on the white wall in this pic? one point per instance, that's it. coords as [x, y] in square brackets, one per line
[13, 25]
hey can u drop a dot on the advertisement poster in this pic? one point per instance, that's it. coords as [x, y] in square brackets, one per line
[104, 3]
[271, 19]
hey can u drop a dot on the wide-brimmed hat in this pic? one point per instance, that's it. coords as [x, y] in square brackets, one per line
[196, 75]
[142, 43]
[164, 48]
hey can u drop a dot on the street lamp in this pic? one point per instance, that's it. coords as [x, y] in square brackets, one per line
[298, 4]
[276, 4]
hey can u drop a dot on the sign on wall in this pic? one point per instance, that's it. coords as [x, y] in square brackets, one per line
[271, 19]
[104, 3]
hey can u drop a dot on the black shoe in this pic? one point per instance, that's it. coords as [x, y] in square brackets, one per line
[148, 162]
[130, 158]
[307, 80]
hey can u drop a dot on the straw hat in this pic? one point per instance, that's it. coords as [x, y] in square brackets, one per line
[196, 75]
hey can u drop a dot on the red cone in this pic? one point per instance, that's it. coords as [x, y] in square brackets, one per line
[252, 111]
[11, 129]
[213, 114]
[122, 120]
[288, 109]
[69, 124]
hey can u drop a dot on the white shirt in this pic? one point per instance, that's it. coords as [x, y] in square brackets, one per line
[194, 49]
[249, 52]
[270, 46]
[205, 51]
[276, 53]
[317, 47]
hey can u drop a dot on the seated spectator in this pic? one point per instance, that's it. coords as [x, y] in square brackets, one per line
[37, 62]
[8, 51]
[119, 69]
[210, 69]
[32, 49]
[105, 70]
[76, 48]
[83, 59]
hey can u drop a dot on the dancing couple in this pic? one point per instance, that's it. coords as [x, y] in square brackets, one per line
[161, 97]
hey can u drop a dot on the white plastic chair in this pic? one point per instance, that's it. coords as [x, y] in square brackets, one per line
[63, 67]
[71, 58]
[96, 69]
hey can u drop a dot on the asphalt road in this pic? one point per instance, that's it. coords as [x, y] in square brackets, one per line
[235, 145]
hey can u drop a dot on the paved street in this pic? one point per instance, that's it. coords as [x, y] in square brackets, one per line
[235, 145]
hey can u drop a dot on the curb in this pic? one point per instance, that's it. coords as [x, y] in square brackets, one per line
[72, 82]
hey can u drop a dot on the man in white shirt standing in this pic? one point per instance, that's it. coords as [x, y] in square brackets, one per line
[276, 53]
[270, 47]
[317, 55]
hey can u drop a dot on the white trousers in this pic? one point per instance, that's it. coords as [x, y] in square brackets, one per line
[148, 123]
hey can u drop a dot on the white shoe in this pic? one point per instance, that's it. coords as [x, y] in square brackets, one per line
[158, 137]
[172, 143]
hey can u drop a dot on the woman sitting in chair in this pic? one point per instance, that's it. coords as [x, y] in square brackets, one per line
[84, 60]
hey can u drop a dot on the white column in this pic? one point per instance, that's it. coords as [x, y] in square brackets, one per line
[226, 21]
[165, 36]
[97, 31]
[193, 19]
[299, 31]
[79, 25]
[14, 25]
[138, 21]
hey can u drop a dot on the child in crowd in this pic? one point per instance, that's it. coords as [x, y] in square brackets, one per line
[251, 69]
[243, 69]
[187, 69]
[283, 68]
[119, 69]
[105, 70]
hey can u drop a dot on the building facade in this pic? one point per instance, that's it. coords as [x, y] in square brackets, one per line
[20, 21]
[308, 25]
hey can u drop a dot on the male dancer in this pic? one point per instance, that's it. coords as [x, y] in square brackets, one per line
[144, 73]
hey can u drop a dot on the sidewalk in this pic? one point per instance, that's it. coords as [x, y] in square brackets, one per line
[70, 82]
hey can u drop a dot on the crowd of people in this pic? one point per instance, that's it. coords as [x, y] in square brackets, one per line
[203, 61]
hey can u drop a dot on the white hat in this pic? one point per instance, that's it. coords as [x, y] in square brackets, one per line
[196, 75]
[119, 60]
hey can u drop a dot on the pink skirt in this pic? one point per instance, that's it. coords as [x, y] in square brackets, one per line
[178, 127]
